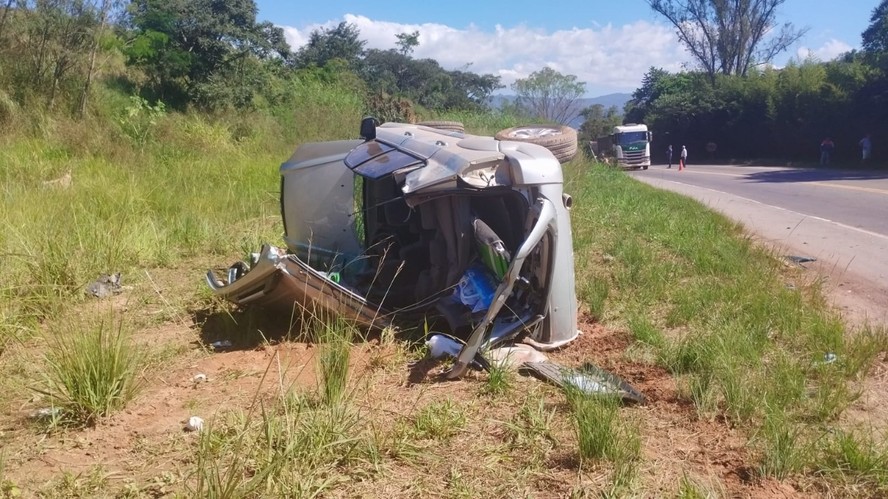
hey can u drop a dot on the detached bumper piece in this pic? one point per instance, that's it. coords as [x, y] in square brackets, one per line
[278, 280]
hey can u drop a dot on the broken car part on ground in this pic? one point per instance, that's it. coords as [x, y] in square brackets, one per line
[417, 225]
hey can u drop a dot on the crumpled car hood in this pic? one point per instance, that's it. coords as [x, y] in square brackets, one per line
[425, 160]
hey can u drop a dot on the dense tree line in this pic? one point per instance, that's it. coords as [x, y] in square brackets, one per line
[214, 55]
[766, 112]
[210, 55]
[394, 72]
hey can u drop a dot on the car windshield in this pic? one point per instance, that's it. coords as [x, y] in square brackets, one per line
[626, 138]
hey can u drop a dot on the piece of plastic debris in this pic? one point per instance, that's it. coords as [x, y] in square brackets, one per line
[512, 357]
[221, 345]
[46, 413]
[333, 276]
[199, 378]
[195, 423]
[829, 358]
[442, 346]
[105, 286]
[476, 288]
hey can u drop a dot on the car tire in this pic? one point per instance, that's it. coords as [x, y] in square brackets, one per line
[560, 140]
[450, 126]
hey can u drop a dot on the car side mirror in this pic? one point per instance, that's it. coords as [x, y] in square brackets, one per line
[368, 128]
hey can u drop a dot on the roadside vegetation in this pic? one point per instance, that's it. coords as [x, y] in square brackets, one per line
[726, 338]
[745, 338]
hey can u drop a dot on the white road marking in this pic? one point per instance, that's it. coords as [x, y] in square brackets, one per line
[840, 224]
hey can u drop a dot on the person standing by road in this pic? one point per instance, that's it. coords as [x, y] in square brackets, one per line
[683, 159]
[669, 156]
[866, 148]
[826, 150]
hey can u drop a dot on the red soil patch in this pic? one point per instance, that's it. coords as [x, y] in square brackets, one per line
[675, 441]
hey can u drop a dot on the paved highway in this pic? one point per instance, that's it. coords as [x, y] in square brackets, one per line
[838, 217]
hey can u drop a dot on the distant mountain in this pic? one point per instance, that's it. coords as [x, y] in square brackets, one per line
[607, 101]
[617, 99]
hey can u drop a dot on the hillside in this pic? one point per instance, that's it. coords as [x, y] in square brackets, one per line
[616, 99]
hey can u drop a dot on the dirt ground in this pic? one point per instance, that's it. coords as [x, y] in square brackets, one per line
[147, 443]
[146, 451]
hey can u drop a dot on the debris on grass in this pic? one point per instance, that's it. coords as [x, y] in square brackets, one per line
[106, 285]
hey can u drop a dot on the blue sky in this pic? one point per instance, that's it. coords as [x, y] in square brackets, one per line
[609, 44]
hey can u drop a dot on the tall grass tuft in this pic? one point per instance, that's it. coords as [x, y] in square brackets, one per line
[859, 459]
[499, 379]
[783, 449]
[335, 336]
[293, 447]
[91, 372]
[601, 432]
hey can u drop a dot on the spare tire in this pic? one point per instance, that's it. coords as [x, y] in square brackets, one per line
[451, 126]
[560, 140]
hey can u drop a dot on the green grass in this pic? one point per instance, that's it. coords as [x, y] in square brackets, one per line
[602, 432]
[696, 296]
[858, 459]
[688, 488]
[439, 420]
[605, 435]
[784, 449]
[8, 488]
[189, 185]
[500, 379]
[90, 372]
[531, 428]
[336, 337]
[292, 448]
[716, 311]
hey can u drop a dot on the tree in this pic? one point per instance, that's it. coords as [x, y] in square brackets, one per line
[424, 81]
[645, 95]
[875, 38]
[103, 9]
[728, 36]
[341, 42]
[472, 90]
[598, 121]
[45, 46]
[550, 95]
[202, 51]
[407, 42]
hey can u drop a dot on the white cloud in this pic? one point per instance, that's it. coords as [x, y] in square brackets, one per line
[827, 52]
[295, 37]
[609, 59]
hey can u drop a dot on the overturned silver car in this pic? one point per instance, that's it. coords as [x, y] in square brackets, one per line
[416, 225]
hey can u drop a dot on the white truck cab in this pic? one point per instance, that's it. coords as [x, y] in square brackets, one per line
[632, 146]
